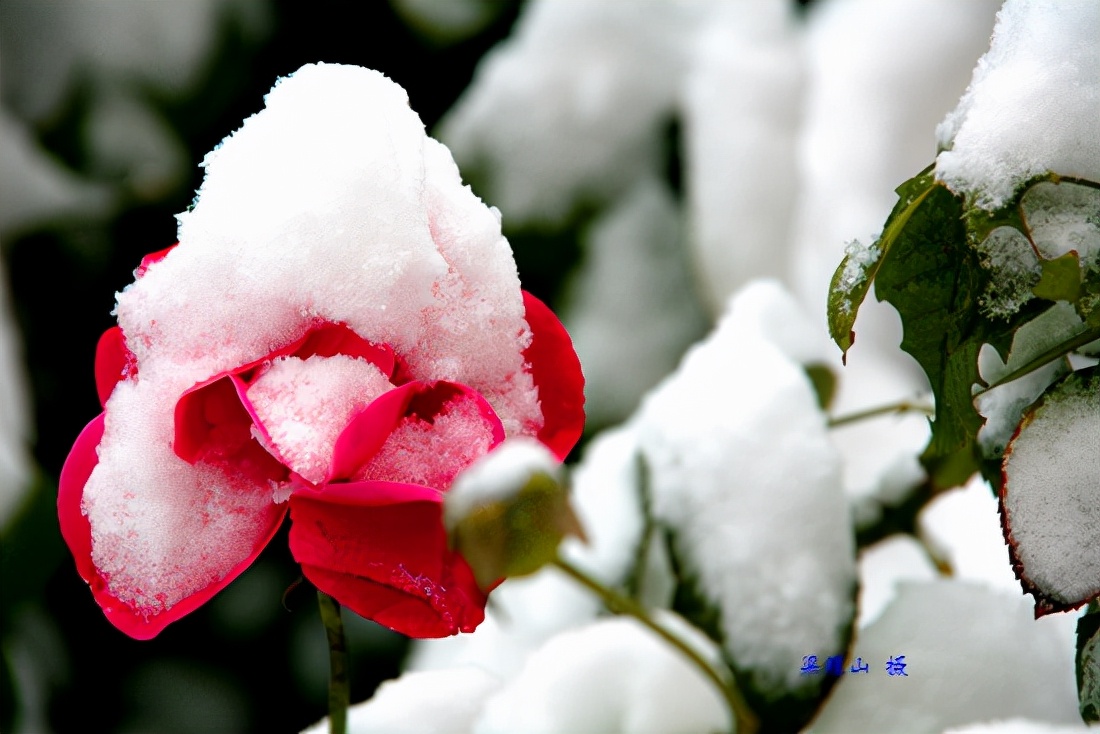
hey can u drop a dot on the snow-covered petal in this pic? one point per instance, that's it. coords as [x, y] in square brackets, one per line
[333, 205]
[161, 550]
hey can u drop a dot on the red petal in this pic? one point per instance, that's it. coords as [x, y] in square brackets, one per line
[114, 362]
[379, 548]
[557, 374]
[214, 424]
[77, 533]
[151, 259]
[328, 340]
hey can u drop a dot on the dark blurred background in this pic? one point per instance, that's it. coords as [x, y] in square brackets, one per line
[254, 659]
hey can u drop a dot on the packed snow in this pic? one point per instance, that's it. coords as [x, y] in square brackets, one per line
[1032, 104]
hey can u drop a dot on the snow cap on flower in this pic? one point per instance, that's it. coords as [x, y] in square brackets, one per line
[334, 204]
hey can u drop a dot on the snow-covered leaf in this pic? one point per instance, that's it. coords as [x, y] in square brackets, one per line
[733, 436]
[1050, 501]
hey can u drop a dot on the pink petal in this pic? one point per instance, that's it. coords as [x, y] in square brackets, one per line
[77, 534]
[328, 340]
[379, 548]
[114, 362]
[557, 374]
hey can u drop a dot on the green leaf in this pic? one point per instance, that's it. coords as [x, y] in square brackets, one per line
[824, 383]
[932, 276]
[852, 279]
[1088, 664]
[1061, 279]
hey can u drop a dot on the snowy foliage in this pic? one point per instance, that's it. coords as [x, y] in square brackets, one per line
[733, 436]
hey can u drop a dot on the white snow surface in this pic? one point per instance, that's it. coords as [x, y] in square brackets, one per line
[1063, 217]
[635, 272]
[1018, 726]
[439, 701]
[744, 473]
[329, 205]
[499, 476]
[741, 104]
[883, 566]
[962, 529]
[1032, 104]
[972, 654]
[612, 675]
[573, 105]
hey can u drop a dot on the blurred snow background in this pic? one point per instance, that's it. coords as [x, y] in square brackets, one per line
[650, 159]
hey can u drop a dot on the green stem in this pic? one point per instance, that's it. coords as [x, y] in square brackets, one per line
[746, 720]
[900, 407]
[339, 694]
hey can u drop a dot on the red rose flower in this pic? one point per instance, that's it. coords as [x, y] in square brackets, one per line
[339, 333]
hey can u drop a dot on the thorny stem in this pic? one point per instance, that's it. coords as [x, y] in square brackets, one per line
[903, 406]
[338, 685]
[743, 716]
